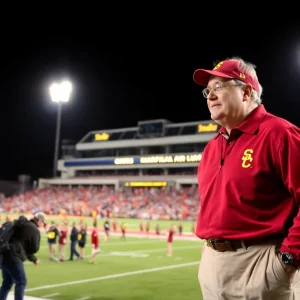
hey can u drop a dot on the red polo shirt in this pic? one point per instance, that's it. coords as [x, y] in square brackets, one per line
[249, 183]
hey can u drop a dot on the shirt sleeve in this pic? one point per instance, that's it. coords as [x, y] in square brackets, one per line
[289, 163]
[34, 247]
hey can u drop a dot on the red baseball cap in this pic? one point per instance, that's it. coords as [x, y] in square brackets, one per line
[226, 69]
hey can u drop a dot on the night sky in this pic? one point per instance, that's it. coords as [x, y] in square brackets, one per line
[126, 78]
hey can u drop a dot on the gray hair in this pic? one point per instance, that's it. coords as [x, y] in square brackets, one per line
[249, 68]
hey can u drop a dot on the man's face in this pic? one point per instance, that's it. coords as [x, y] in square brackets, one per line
[41, 223]
[225, 99]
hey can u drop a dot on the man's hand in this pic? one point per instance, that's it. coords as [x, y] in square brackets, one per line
[290, 270]
[36, 262]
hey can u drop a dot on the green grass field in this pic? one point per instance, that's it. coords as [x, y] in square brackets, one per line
[137, 268]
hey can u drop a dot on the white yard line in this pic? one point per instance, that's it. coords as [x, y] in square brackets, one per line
[123, 253]
[43, 287]
[51, 295]
[12, 297]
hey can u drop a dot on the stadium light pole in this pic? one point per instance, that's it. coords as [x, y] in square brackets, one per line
[60, 93]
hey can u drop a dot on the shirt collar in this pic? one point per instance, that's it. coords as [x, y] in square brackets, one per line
[251, 123]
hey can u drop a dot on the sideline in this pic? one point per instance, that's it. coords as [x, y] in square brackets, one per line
[125, 253]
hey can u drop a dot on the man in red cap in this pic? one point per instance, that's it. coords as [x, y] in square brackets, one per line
[249, 189]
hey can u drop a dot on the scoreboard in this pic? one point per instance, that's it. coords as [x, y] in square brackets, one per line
[151, 128]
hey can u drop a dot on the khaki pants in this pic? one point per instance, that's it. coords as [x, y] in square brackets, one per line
[255, 273]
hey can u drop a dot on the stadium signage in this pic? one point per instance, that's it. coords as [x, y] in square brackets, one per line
[210, 127]
[158, 159]
[137, 160]
[162, 159]
[146, 183]
[101, 136]
[124, 161]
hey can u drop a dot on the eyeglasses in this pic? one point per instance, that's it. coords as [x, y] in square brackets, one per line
[217, 88]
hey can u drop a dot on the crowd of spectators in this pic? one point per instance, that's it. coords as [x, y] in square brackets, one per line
[146, 203]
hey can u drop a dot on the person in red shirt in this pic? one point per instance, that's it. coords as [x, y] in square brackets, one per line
[123, 231]
[62, 241]
[142, 227]
[170, 234]
[147, 228]
[114, 225]
[249, 190]
[94, 242]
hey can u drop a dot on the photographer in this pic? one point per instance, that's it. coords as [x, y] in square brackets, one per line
[24, 244]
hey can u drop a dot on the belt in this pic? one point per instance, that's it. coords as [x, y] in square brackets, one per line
[232, 245]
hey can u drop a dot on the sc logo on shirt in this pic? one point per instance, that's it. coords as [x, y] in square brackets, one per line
[247, 158]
